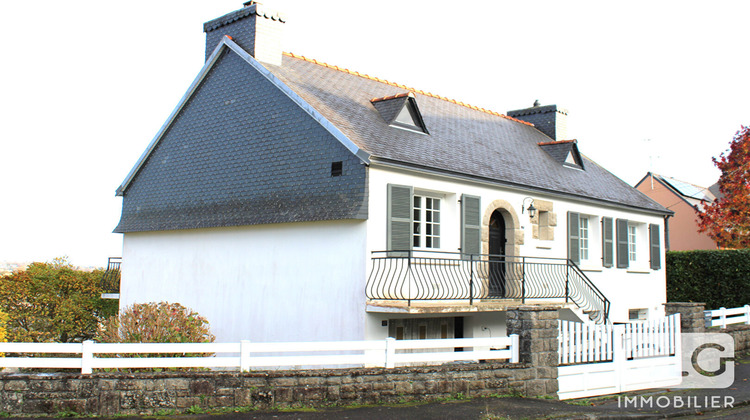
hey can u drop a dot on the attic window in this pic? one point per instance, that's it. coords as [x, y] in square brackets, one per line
[337, 168]
[401, 111]
[564, 152]
[573, 160]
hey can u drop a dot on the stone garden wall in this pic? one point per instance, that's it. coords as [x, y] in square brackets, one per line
[109, 394]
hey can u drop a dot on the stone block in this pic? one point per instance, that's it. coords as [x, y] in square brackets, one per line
[402, 387]
[254, 382]
[282, 381]
[17, 385]
[535, 388]
[304, 394]
[202, 387]
[185, 402]
[38, 407]
[109, 403]
[312, 381]
[283, 395]
[381, 386]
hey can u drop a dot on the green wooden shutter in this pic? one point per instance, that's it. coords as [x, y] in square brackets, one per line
[653, 231]
[574, 237]
[399, 218]
[471, 225]
[622, 243]
[608, 250]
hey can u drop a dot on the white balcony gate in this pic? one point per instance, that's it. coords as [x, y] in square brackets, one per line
[607, 359]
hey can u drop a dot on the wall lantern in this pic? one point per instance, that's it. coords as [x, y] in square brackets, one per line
[531, 208]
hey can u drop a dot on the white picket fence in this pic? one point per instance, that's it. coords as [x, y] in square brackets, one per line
[245, 354]
[722, 317]
[607, 359]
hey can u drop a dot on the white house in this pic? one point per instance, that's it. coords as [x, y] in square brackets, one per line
[288, 199]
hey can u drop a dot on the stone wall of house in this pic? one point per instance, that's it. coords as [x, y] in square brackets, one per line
[109, 394]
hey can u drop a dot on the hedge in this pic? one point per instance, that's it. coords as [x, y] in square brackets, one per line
[717, 277]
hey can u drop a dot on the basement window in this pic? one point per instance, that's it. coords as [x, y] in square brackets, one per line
[337, 168]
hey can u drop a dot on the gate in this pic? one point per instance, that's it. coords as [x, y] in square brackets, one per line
[606, 359]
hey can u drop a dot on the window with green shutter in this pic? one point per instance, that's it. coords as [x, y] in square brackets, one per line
[607, 242]
[399, 217]
[655, 240]
[623, 250]
[471, 225]
[574, 232]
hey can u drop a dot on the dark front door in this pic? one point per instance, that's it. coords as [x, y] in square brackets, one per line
[497, 255]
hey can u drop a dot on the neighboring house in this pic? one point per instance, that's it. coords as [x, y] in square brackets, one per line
[287, 199]
[683, 198]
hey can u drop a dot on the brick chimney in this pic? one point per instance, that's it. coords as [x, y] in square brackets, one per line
[548, 119]
[254, 28]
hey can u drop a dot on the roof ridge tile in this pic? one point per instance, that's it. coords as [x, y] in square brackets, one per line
[398, 85]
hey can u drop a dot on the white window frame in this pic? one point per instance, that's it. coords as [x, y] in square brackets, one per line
[421, 225]
[632, 243]
[583, 238]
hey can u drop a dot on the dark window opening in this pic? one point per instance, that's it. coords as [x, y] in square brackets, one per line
[337, 168]
[422, 332]
[444, 331]
[399, 333]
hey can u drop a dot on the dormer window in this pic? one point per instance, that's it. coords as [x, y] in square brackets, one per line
[573, 159]
[401, 111]
[565, 152]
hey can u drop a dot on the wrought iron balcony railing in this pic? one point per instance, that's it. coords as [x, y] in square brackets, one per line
[110, 282]
[429, 275]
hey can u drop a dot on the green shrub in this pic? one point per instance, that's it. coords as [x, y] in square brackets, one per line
[3, 320]
[717, 277]
[53, 302]
[152, 322]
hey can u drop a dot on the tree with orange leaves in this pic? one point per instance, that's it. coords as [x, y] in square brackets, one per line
[727, 219]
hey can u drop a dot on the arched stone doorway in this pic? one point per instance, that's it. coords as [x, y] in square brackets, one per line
[513, 232]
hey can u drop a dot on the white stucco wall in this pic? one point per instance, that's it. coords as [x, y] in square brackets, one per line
[281, 282]
[637, 287]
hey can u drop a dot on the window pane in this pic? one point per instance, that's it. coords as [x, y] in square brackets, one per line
[436, 204]
[417, 202]
[436, 230]
[436, 217]
[428, 242]
[436, 242]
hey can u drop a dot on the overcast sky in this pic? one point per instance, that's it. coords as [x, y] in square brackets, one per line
[85, 86]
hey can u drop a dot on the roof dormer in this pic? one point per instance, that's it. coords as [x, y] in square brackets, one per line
[565, 152]
[401, 111]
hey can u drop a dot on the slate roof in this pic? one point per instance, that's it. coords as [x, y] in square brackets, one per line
[253, 144]
[239, 152]
[463, 140]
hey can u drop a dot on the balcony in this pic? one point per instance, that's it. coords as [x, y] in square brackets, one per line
[110, 282]
[428, 276]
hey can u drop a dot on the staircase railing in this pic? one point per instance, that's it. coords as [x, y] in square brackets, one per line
[430, 275]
